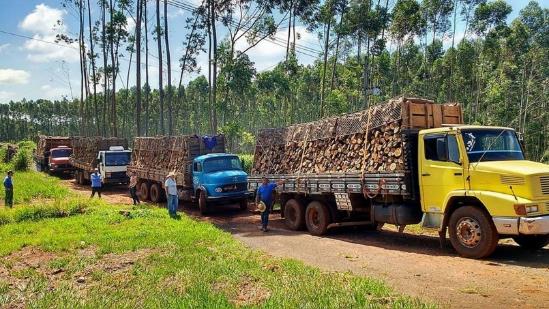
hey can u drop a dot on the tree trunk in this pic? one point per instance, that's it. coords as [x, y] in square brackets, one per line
[138, 69]
[169, 67]
[214, 70]
[94, 81]
[289, 31]
[82, 70]
[366, 75]
[114, 74]
[324, 65]
[147, 85]
[160, 86]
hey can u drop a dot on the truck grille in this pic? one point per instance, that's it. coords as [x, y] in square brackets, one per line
[544, 181]
[236, 187]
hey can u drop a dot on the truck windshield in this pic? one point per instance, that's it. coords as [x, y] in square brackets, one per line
[491, 145]
[222, 164]
[60, 153]
[117, 158]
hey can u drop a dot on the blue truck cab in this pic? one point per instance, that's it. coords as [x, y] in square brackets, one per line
[219, 178]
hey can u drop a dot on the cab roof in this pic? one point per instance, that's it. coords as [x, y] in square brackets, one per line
[448, 128]
[214, 155]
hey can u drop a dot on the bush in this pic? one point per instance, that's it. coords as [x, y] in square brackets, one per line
[22, 160]
[29, 145]
[247, 162]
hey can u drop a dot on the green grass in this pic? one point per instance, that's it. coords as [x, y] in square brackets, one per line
[120, 256]
[29, 186]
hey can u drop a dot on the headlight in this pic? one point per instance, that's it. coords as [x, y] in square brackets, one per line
[108, 174]
[218, 190]
[524, 209]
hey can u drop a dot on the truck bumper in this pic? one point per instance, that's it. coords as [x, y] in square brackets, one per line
[523, 225]
[229, 198]
[117, 180]
[60, 170]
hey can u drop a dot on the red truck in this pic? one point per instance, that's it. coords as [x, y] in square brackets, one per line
[53, 154]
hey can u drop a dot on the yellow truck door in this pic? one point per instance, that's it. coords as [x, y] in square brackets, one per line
[441, 170]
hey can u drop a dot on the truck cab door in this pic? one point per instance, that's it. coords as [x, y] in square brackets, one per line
[441, 170]
[101, 164]
[197, 174]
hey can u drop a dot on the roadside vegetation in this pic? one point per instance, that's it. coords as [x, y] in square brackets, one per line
[68, 251]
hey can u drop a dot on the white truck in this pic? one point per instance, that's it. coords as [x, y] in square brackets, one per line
[110, 155]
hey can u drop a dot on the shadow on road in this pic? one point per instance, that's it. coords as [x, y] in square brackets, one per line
[246, 224]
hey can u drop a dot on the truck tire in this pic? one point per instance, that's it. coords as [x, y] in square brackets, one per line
[202, 203]
[77, 177]
[294, 215]
[144, 190]
[157, 193]
[317, 218]
[532, 242]
[243, 204]
[472, 232]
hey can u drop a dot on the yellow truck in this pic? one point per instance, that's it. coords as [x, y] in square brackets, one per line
[470, 182]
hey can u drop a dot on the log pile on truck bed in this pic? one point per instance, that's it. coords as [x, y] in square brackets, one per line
[369, 140]
[45, 143]
[85, 149]
[163, 154]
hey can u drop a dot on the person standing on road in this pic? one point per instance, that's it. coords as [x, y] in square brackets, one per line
[171, 194]
[8, 187]
[96, 183]
[265, 195]
[133, 188]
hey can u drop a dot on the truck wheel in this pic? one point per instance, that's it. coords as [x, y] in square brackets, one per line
[533, 242]
[294, 215]
[317, 218]
[202, 203]
[472, 232]
[77, 177]
[144, 190]
[244, 204]
[157, 193]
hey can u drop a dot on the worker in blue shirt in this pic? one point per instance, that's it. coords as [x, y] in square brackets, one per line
[265, 195]
[96, 183]
[8, 187]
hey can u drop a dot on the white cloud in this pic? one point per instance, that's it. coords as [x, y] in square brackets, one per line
[4, 47]
[54, 92]
[6, 96]
[176, 13]
[45, 23]
[268, 53]
[11, 76]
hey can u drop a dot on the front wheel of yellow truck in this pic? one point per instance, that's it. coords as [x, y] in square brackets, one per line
[532, 242]
[472, 232]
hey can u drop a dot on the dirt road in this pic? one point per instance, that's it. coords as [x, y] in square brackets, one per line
[412, 264]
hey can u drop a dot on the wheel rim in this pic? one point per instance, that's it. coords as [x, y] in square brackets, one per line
[468, 232]
[314, 217]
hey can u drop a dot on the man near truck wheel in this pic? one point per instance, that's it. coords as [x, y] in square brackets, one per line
[96, 183]
[265, 195]
[171, 194]
[133, 188]
[8, 186]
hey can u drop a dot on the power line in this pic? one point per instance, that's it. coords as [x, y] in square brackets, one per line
[191, 8]
[305, 50]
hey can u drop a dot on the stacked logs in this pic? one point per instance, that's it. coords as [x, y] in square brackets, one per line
[170, 153]
[85, 149]
[45, 143]
[367, 141]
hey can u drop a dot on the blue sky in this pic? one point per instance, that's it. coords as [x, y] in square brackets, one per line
[35, 69]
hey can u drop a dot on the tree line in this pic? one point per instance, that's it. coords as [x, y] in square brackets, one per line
[371, 50]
